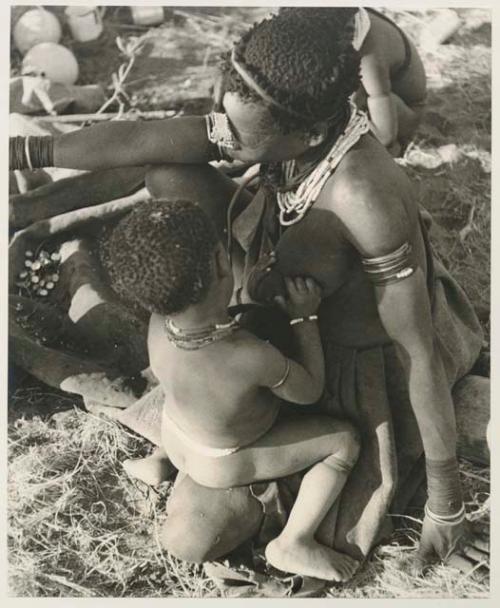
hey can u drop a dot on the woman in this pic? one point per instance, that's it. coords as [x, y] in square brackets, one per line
[397, 331]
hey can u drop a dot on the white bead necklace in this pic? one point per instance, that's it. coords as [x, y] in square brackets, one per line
[296, 202]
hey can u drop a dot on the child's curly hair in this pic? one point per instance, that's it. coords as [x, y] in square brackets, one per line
[303, 58]
[159, 255]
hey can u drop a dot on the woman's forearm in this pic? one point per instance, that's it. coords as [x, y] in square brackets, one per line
[432, 404]
[132, 143]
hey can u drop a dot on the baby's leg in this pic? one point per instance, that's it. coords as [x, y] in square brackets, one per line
[151, 470]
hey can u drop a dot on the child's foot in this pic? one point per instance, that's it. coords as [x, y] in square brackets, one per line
[151, 470]
[309, 558]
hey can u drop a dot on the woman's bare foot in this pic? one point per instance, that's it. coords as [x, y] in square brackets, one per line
[308, 558]
[151, 470]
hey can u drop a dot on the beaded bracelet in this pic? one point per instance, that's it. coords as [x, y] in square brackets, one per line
[448, 520]
[302, 319]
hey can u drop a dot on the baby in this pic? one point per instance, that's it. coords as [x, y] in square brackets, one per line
[226, 391]
[392, 74]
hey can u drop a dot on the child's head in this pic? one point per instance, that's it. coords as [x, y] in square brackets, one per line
[161, 255]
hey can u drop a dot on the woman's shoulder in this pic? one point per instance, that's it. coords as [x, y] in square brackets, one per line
[368, 183]
[368, 168]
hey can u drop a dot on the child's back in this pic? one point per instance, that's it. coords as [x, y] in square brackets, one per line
[209, 392]
[393, 81]
[387, 52]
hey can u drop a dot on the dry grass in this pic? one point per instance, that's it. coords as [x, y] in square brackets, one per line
[78, 526]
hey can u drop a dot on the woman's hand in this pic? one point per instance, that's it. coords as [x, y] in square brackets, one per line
[455, 545]
[437, 540]
[303, 297]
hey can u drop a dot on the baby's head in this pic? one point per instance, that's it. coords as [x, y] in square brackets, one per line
[162, 256]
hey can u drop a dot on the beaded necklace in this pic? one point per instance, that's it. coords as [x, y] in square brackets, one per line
[295, 201]
[198, 338]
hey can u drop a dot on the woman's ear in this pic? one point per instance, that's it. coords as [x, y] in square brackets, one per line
[221, 259]
[317, 134]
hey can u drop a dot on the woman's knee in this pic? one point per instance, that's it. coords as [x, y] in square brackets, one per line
[180, 181]
[204, 524]
[199, 183]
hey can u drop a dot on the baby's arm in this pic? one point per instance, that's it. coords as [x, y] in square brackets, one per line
[301, 380]
[381, 107]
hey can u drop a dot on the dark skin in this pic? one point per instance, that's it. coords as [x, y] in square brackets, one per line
[367, 208]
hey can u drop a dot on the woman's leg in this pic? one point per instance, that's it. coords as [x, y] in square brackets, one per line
[204, 524]
[203, 184]
[210, 188]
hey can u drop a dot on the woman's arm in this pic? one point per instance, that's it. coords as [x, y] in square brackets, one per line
[132, 143]
[377, 224]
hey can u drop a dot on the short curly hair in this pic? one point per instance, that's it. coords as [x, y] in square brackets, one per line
[159, 255]
[303, 58]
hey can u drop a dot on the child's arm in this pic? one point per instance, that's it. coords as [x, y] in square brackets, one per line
[381, 107]
[301, 380]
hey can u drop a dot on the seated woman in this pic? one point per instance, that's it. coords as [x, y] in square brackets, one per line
[397, 331]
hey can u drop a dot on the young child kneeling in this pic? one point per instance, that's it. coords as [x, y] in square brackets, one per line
[226, 391]
[393, 80]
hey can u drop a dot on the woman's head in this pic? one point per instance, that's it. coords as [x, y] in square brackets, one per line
[294, 73]
[160, 255]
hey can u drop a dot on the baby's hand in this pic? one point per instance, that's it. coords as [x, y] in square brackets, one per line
[304, 297]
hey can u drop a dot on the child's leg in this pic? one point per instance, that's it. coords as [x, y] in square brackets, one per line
[296, 549]
[293, 444]
[151, 470]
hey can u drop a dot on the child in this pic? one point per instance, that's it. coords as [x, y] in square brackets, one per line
[226, 390]
[392, 74]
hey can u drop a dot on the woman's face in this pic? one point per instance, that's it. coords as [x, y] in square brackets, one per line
[259, 138]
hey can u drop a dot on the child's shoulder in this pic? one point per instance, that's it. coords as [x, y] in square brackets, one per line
[248, 351]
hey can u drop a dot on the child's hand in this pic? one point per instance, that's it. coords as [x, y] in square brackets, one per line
[304, 297]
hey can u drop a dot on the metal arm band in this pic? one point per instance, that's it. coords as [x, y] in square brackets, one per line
[449, 520]
[390, 268]
[285, 375]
